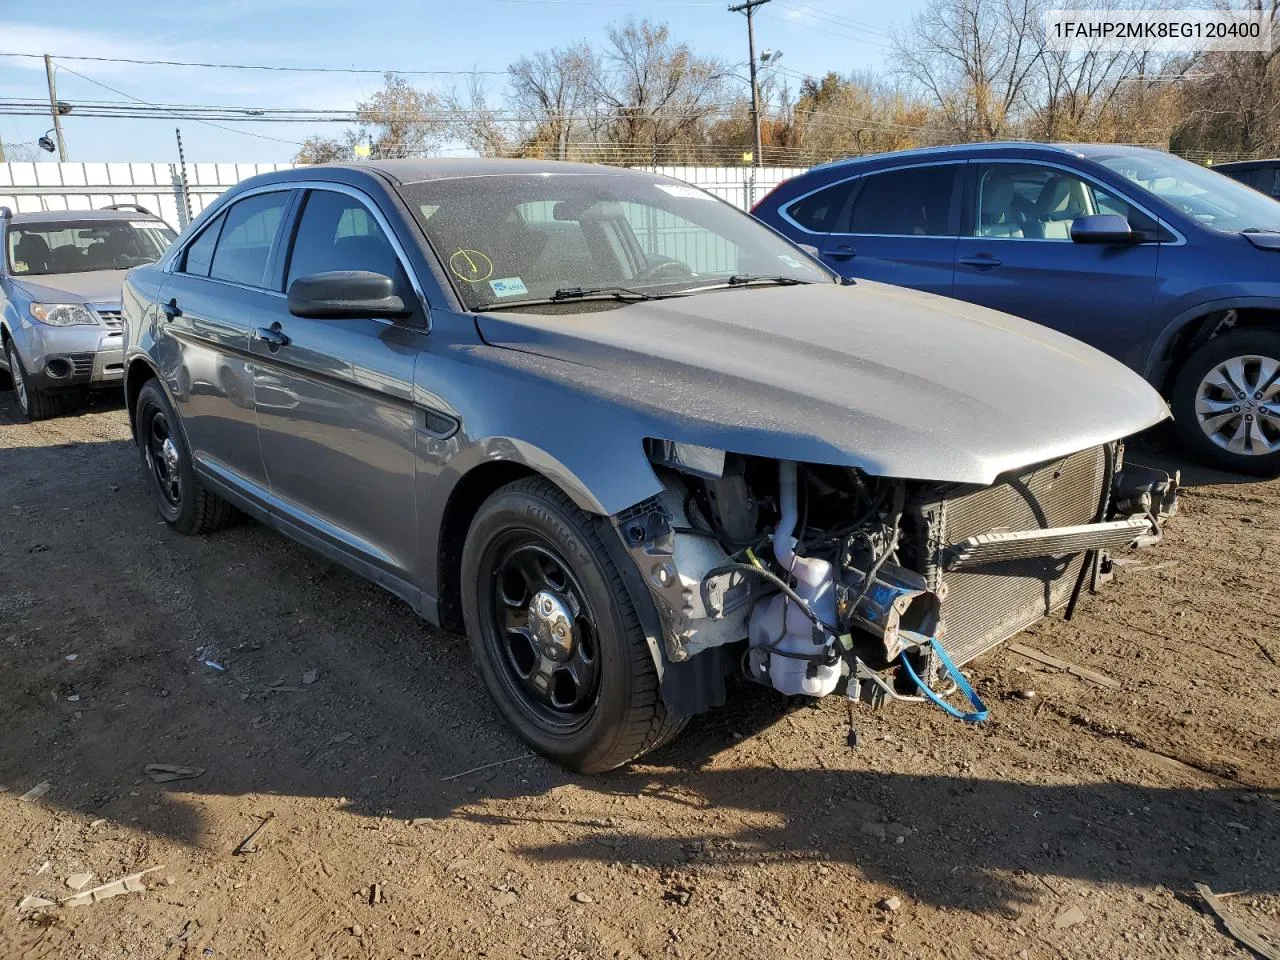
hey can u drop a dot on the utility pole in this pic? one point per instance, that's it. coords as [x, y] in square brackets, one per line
[749, 8]
[53, 108]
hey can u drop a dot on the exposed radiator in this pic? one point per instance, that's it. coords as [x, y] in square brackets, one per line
[987, 603]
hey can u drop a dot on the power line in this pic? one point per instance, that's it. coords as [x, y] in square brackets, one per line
[260, 66]
[216, 126]
[807, 10]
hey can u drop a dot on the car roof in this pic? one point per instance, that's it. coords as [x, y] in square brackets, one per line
[418, 171]
[964, 150]
[1247, 164]
[55, 216]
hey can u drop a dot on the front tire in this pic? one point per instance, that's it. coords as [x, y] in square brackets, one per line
[555, 633]
[183, 501]
[1226, 402]
[34, 403]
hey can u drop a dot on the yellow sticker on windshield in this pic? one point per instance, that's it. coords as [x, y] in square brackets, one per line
[471, 266]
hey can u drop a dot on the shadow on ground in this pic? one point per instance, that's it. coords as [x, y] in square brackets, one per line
[398, 708]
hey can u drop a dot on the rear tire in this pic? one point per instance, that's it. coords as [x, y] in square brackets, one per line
[1211, 410]
[38, 404]
[183, 501]
[623, 716]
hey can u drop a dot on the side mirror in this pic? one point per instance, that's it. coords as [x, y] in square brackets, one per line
[1102, 228]
[810, 249]
[345, 295]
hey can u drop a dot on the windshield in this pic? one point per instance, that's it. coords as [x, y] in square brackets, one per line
[1209, 198]
[511, 239]
[37, 248]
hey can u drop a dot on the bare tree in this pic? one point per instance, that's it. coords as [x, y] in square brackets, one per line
[657, 93]
[1233, 99]
[475, 123]
[398, 121]
[317, 149]
[976, 60]
[548, 92]
[19, 152]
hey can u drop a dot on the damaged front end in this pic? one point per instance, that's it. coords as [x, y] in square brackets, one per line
[807, 576]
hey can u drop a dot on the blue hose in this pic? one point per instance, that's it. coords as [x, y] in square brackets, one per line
[979, 712]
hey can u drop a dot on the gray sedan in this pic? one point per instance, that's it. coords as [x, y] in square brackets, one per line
[629, 440]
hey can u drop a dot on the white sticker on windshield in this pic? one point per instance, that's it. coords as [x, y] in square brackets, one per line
[508, 287]
[146, 225]
[791, 261]
[683, 192]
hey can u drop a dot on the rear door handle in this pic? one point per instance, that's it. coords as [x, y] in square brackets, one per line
[172, 310]
[272, 336]
[842, 252]
[983, 261]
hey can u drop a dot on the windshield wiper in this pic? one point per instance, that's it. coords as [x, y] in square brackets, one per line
[617, 293]
[743, 279]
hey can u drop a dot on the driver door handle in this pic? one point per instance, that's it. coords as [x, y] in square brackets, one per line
[983, 261]
[272, 336]
[842, 252]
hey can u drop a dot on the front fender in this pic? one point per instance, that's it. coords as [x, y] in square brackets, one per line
[1157, 357]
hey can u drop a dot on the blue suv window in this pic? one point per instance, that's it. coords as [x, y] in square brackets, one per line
[1028, 201]
[819, 211]
[912, 202]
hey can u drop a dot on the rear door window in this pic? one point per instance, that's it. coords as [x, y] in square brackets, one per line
[912, 202]
[819, 211]
[244, 246]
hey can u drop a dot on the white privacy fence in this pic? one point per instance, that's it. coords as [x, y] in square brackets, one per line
[33, 187]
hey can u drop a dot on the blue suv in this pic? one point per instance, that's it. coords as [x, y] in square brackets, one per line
[1167, 266]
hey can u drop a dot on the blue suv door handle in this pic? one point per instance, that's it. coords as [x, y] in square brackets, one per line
[983, 261]
[842, 252]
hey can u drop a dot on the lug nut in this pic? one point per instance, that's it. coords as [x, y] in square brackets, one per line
[1235, 409]
[1248, 418]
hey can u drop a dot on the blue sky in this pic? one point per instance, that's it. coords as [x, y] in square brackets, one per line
[814, 35]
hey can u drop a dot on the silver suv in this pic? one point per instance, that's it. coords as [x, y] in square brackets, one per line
[60, 276]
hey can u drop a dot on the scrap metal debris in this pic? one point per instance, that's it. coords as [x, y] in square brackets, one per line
[1069, 918]
[1265, 943]
[36, 792]
[130, 884]
[485, 766]
[167, 772]
[250, 843]
[78, 881]
[1084, 673]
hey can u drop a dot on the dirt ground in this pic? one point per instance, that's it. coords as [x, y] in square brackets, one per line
[1073, 824]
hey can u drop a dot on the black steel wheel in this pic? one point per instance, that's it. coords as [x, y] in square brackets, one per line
[555, 631]
[181, 498]
[545, 630]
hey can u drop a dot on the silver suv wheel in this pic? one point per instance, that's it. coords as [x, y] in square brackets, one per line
[19, 379]
[1238, 405]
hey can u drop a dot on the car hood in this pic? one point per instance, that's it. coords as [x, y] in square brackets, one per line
[97, 286]
[896, 382]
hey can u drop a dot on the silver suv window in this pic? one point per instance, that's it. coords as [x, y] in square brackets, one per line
[38, 248]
